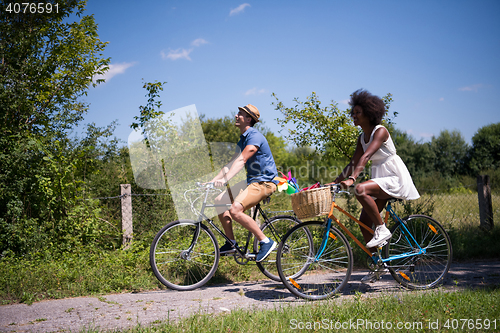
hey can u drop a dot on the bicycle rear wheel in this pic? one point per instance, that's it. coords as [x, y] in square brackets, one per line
[425, 270]
[310, 270]
[184, 255]
[274, 228]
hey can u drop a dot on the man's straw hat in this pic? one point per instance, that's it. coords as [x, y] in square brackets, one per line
[252, 111]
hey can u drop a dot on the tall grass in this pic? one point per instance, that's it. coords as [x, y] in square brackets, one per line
[434, 311]
[92, 272]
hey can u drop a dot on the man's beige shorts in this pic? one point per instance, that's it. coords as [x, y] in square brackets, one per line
[247, 196]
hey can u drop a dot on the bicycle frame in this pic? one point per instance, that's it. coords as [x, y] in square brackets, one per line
[203, 218]
[389, 212]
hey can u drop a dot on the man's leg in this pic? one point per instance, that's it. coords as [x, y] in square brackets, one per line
[251, 196]
[227, 224]
[223, 213]
[238, 214]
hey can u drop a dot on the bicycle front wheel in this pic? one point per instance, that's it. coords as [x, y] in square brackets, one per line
[274, 228]
[184, 255]
[314, 262]
[425, 270]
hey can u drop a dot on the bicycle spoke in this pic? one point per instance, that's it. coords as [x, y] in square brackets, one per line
[182, 259]
[274, 228]
[425, 270]
[306, 275]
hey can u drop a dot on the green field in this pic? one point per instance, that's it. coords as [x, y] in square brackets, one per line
[93, 272]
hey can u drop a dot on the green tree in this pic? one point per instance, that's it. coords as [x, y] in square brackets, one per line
[450, 152]
[418, 157]
[223, 130]
[485, 151]
[328, 130]
[48, 62]
[219, 129]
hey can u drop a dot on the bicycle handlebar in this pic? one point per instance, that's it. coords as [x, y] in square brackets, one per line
[337, 188]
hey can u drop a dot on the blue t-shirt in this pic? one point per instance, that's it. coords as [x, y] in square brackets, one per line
[260, 167]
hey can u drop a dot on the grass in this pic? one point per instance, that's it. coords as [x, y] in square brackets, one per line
[87, 272]
[433, 311]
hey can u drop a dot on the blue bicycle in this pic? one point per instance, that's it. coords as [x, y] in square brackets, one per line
[315, 260]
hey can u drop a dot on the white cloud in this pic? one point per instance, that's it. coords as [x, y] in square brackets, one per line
[426, 135]
[441, 99]
[177, 54]
[182, 53]
[254, 91]
[345, 101]
[199, 42]
[238, 9]
[114, 69]
[474, 87]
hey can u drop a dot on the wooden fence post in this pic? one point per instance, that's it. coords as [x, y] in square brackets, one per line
[485, 205]
[127, 228]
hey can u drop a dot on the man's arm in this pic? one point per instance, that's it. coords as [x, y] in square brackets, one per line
[236, 167]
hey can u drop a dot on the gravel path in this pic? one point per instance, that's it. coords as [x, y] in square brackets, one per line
[146, 308]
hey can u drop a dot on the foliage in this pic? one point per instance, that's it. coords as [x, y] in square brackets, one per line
[450, 151]
[48, 62]
[151, 111]
[220, 129]
[328, 130]
[485, 152]
[318, 127]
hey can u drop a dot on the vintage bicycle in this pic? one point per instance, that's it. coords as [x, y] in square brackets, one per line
[184, 255]
[315, 260]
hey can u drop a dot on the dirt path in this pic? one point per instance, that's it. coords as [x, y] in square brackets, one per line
[146, 308]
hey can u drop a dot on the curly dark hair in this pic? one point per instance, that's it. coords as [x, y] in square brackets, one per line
[373, 106]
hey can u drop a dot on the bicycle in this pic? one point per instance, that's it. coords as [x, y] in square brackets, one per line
[418, 254]
[184, 255]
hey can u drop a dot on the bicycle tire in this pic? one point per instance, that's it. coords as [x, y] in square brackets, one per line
[171, 262]
[423, 271]
[305, 275]
[280, 226]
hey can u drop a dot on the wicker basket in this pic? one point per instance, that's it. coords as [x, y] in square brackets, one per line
[311, 203]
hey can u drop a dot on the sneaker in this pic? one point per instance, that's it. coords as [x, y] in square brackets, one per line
[227, 248]
[374, 276]
[381, 235]
[265, 250]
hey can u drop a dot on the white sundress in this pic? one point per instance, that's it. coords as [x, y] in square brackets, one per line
[389, 170]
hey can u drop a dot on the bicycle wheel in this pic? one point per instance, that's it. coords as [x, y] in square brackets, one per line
[309, 270]
[274, 228]
[179, 259]
[425, 270]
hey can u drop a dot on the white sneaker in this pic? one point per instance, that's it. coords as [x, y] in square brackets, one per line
[381, 235]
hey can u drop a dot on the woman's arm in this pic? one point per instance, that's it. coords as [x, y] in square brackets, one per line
[350, 167]
[358, 164]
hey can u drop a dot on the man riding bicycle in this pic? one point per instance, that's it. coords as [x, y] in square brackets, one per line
[261, 170]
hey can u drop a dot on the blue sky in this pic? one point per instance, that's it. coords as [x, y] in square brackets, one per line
[439, 59]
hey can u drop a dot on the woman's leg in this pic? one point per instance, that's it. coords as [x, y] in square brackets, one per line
[371, 207]
[365, 193]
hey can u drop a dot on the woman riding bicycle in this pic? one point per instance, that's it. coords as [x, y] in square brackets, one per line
[390, 177]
